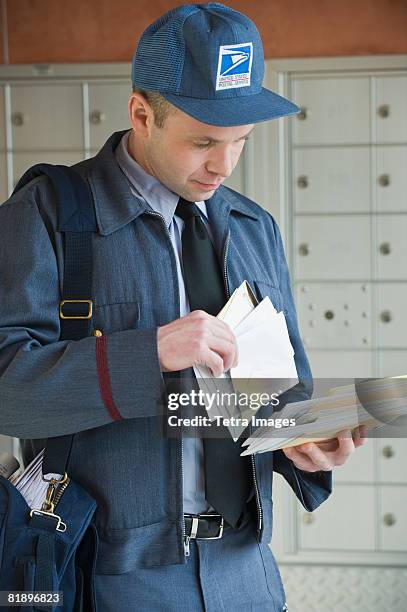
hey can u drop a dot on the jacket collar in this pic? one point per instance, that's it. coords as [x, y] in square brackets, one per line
[116, 205]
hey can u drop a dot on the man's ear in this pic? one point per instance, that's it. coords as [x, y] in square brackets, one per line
[141, 114]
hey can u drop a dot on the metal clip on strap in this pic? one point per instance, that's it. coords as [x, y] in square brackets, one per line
[76, 305]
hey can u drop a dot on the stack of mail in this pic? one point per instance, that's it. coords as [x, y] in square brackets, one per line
[30, 483]
[265, 352]
[374, 403]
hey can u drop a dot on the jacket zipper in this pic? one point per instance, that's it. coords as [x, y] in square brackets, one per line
[60, 491]
[185, 539]
[256, 488]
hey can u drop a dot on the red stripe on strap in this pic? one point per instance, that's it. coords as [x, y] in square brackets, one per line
[104, 378]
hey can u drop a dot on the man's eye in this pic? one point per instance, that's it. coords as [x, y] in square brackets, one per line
[202, 145]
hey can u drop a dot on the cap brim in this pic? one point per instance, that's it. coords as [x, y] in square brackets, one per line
[240, 110]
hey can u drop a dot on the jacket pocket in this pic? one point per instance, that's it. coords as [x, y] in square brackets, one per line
[120, 316]
[265, 289]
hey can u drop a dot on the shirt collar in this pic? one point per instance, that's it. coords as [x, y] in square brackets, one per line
[116, 204]
[158, 197]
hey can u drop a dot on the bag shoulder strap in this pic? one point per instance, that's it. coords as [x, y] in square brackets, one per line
[77, 222]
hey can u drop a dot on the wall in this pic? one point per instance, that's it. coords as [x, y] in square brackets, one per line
[45, 31]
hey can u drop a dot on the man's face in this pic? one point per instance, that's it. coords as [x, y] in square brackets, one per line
[192, 158]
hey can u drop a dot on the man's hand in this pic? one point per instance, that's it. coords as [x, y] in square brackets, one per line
[317, 456]
[198, 338]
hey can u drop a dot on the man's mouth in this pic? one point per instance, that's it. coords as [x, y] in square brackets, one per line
[208, 186]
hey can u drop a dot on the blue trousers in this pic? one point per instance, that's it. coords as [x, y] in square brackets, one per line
[235, 573]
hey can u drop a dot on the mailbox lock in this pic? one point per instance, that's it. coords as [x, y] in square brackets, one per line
[385, 248]
[384, 180]
[383, 111]
[389, 519]
[329, 315]
[302, 115]
[303, 249]
[388, 452]
[97, 117]
[385, 316]
[18, 119]
[302, 182]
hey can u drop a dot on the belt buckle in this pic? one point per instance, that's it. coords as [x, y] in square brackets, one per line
[222, 522]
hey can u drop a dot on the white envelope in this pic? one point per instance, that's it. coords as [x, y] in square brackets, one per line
[265, 350]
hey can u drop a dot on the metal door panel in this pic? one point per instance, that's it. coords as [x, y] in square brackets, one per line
[334, 111]
[333, 248]
[108, 111]
[391, 115]
[45, 116]
[335, 315]
[332, 180]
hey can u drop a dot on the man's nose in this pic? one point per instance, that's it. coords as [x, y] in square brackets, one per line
[220, 162]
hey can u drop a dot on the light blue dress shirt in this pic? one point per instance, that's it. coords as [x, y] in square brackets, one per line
[164, 201]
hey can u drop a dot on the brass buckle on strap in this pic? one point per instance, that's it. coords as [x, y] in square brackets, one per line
[88, 316]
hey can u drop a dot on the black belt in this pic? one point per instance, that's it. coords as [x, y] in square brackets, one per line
[204, 526]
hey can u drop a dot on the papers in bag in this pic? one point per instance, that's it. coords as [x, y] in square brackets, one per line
[374, 403]
[30, 483]
[265, 352]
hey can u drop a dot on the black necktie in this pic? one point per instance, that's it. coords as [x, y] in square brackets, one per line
[227, 476]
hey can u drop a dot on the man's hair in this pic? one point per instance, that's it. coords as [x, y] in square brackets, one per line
[161, 107]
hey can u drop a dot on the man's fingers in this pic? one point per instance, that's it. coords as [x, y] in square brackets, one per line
[217, 326]
[359, 435]
[300, 460]
[213, 361]
[322, 460]
[225, 349]
[315, 456]
[217, 334]
[346, 445]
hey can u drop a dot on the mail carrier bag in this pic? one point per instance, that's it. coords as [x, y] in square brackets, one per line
[49, 551]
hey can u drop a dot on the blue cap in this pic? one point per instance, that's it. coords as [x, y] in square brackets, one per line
[208, 61]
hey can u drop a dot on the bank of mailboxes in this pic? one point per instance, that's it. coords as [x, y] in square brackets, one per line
[58, 122]
[349, 195]
[368, 504]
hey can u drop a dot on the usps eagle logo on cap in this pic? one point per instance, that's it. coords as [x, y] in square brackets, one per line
[234, 66]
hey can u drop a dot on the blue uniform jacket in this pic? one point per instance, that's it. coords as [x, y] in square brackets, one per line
[105, 389]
